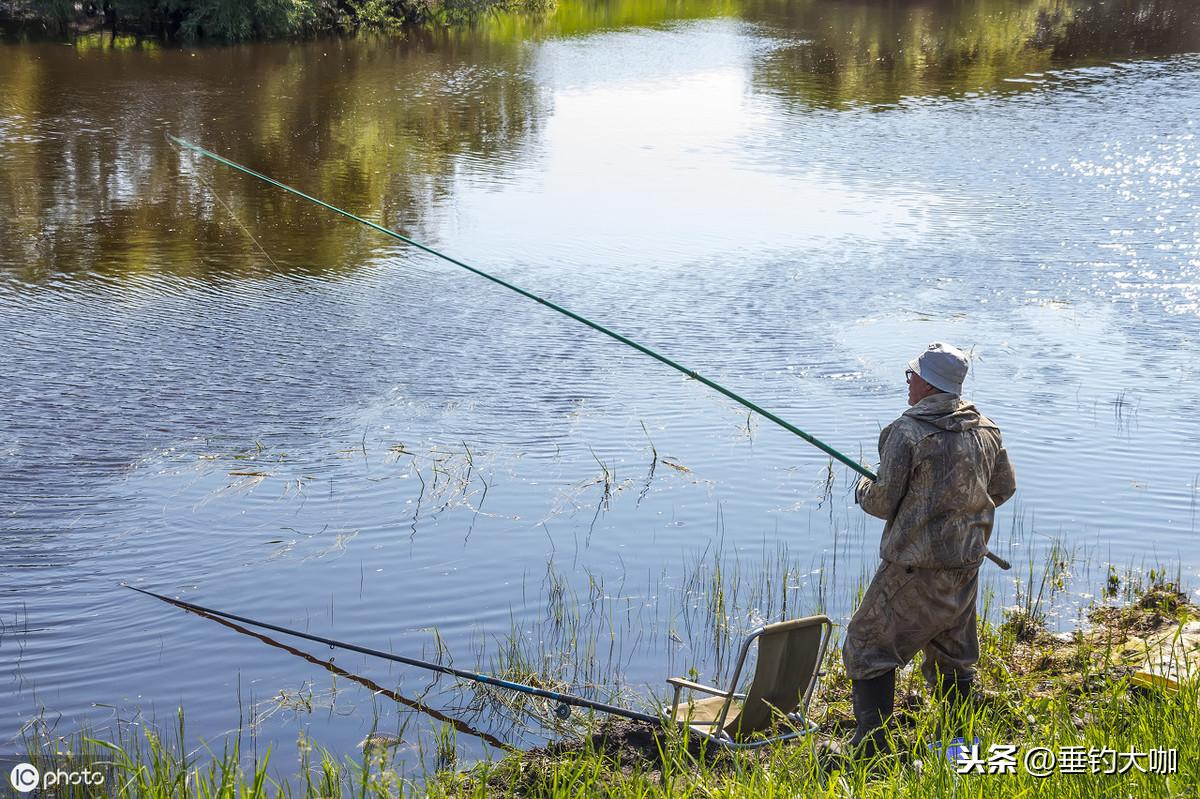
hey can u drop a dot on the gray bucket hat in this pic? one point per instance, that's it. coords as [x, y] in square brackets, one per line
[942, 366]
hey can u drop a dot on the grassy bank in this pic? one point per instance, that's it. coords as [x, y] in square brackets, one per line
[228, 20]
[1082, 696]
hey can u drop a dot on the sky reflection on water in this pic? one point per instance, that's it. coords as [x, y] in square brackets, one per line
[353, 438]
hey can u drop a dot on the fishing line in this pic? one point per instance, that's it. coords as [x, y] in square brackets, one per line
[816, 442]
[225, 205]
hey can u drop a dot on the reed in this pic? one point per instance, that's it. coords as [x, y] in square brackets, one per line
[1057, 691]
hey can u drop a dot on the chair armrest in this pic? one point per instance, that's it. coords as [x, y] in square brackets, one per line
[679, 682]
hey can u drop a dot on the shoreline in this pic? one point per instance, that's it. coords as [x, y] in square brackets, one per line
[1142, 655]
[1121, 685]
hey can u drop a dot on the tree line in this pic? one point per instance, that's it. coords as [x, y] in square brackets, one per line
[240, 20]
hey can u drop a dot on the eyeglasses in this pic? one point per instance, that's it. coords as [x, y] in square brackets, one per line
[908, 375]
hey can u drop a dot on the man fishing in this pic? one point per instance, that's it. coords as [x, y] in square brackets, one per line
[943, 471]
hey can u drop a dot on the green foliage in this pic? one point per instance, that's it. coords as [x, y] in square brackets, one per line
[387, 14]
[242, 20]
[229, 19]
[56, 12]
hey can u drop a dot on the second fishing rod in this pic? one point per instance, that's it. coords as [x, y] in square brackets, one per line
[564, 700]
[816, 442]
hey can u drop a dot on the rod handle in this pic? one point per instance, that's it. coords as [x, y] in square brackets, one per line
[999, 561]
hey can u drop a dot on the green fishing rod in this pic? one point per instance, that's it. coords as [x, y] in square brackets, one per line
[694, 375]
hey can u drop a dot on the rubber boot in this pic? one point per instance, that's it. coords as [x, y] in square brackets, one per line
[955, 692]
[873, 703]
[959, 691]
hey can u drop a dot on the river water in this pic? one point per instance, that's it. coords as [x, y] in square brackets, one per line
[217, 391]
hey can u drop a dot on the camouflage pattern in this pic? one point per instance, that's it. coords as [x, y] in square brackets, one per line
[943, 470]
[907, 609]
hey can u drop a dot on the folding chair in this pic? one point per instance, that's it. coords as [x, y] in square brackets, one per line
[775, 705]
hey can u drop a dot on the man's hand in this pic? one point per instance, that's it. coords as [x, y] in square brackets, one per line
[861, 488]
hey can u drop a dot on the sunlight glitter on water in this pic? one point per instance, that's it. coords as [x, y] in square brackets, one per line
[349, 437]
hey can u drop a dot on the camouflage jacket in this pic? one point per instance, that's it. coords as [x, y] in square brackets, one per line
[942, 472]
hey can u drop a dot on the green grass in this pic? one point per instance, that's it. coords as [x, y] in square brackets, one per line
[1115, 719]
[1039, 691]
